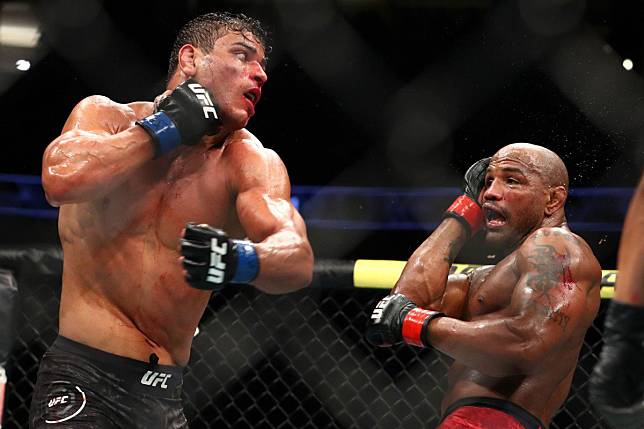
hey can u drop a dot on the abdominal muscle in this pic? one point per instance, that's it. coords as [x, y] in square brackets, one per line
[541, 393]
[127, 295]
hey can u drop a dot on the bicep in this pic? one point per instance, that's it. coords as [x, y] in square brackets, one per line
[263, 200]
[454, 301]
[262, 214]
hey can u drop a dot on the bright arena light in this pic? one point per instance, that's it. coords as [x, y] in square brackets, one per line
[23, 65]
[627, 64]
[19, 27]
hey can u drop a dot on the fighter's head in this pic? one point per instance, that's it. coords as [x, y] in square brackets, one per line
[526, 187]
[226, 53]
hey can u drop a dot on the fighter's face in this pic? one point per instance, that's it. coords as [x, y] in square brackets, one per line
[513, 201]
[233, 71]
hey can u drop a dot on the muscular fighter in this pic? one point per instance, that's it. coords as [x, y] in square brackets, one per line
[617, 381]
[514, 329]
[129, 178]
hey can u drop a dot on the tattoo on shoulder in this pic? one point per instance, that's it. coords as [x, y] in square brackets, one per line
[551, 273]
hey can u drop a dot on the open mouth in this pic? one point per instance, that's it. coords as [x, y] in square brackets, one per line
[493, 217]
[252, 96]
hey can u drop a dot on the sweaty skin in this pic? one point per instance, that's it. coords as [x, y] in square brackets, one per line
[518, 328]
[629, 287]
[122, 211]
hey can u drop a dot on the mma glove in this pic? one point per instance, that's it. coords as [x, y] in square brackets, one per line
[617, 381]
[212, 260]
[466, 208]
[182, 117]
[397, 319]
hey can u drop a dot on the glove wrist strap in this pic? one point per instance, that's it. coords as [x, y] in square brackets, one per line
[163, 130]
[468, 212]
[415, 325]
[247, 262]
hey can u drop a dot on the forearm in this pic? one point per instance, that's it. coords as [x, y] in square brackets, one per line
[629, 288]
[285, 261]
[424, 277]
[81, 166]
[498, 348]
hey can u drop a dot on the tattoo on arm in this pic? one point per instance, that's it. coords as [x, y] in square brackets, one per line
[453, 251]
[552, 272]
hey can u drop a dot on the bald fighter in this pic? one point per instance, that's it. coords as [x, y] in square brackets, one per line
[514, 329]
[617, 381]
[129, 179]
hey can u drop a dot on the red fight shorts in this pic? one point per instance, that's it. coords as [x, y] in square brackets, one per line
[488, 413]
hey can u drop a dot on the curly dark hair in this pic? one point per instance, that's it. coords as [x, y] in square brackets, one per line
[204, 30]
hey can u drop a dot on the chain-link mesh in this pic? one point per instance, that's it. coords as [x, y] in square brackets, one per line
[297, 360]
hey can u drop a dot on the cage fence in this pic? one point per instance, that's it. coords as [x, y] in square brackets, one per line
[264, 361]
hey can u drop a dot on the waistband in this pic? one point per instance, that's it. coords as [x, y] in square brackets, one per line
[527, 419]
[149, 378]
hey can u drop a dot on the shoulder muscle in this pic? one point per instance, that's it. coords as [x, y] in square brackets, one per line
[557, 278]
[99, 114]
[254, 166]
[559, 254]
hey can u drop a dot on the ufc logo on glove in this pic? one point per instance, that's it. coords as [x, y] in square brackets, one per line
[212, 260]
[203, 95]
[377, 311]
[217, 266]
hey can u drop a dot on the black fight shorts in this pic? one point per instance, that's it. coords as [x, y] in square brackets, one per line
[82, 387]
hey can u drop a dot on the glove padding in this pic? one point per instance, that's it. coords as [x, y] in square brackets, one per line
[182, 117]
[474, 179]
[396, 318]
[212, 260]
[617, 381]
[466, 208]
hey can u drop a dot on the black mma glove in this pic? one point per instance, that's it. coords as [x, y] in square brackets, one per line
[396, 318]
[466, 208]
[212, 260]
[182, 117]
[617, 381]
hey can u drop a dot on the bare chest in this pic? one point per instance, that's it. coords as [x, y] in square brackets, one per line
[160, 199]
[491, 288]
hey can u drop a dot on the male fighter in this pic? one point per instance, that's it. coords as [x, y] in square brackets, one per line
[128, 179]
[617, 381]
[515, 335]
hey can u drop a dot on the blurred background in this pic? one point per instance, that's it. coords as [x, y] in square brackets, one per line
[377, 108]
[361, 93]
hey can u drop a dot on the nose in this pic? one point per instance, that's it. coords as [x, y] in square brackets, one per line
[259, 74]
[493, 191]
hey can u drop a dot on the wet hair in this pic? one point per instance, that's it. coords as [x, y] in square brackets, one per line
[204, 30]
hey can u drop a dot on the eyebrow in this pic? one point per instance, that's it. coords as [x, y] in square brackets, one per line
[246, 45]
[252, 49]
[509, 170]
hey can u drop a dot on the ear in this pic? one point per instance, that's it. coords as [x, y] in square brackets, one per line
[186, 60]
[556, 198]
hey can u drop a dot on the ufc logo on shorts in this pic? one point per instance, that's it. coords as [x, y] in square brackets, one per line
[152, 378]
[203, 95]
[377, 312]
[58, 400]
[217, 266]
